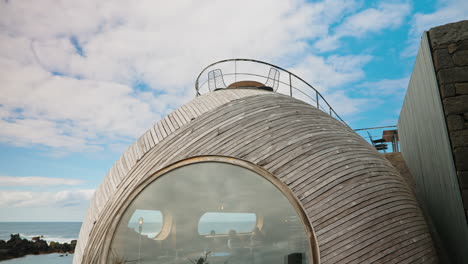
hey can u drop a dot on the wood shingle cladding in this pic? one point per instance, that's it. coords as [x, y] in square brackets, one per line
[360, 207]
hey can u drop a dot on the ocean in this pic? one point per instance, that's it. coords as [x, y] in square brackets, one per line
[52, 231]
[66, 231]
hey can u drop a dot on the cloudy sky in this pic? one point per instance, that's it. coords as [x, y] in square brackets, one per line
[80, 80]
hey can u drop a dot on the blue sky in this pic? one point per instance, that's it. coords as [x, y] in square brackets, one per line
[80, 80]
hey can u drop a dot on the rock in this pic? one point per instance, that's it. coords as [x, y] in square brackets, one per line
[452, 48]
[442, 36]
[460, 58]
[459, 138]
[456, 105]
[455, 122]
[447, 90]
[453, 75]
[463, 176]
[442, 59]
[17, 247]
[461, 158]
[461, 88]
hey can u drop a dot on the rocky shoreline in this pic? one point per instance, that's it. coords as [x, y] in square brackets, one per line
[17, 247]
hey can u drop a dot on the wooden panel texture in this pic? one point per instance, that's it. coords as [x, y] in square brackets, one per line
[360, 207]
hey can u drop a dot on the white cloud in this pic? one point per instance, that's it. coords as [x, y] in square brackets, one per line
[448, 11]
[396, 87]
[370, 20]
[66, 198]
[36, 181]
[69, 69]
[331, 72]
[346, 106]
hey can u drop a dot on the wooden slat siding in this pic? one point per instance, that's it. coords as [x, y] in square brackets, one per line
[202, 136]
[173, 122]
[362, 245]
[368, 243]
[193, 110]
[384, 225]
[359, 196]
[118, 170]
[134, 152]
[128, 159]
[124, 166]
[180, 117]
[115, 176]
[146, 143]
[154, 134]
[169, 124]
[197, 107]
[159, 133]
[159, 137]
[216, 100]
[165, 125]
[143, 142]
[159, 127]
[129, 154]
[136, 149]
[112, 182]
[404, 242]
[124, 169]
[412, 253]
[185, 113]
[152, 139]
[361, 214]
[201, 104]
[374, 243]
[140, 147]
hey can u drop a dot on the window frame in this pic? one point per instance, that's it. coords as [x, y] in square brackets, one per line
[313, 250]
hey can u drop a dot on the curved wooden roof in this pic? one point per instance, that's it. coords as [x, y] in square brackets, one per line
[359, 205]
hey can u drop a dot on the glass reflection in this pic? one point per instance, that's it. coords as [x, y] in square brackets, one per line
[248, 218]
[222, 223]
[146, 222]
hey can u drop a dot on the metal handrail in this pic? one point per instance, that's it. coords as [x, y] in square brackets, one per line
[318, 96]
[365, 133]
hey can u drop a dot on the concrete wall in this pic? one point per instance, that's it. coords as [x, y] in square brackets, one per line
[426, 148]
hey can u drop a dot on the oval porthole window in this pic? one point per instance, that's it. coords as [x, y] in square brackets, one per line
[146, 222]
[217, 211]
[220, 223]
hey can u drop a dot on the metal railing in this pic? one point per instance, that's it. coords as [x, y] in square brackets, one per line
[284, 82]
[385, 139]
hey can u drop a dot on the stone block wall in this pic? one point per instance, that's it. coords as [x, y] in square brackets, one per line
[449, 44]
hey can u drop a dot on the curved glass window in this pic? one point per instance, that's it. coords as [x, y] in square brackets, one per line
[220, 212]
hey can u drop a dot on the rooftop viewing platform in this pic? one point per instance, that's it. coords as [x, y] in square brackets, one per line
[248, 73]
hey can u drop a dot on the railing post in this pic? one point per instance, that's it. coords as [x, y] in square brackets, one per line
[290, 85]
[317, 99]
[235, 72]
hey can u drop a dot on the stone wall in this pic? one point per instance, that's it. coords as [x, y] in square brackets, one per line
[449, 45]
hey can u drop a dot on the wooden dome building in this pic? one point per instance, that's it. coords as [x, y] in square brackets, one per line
[253, 175]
